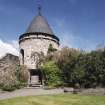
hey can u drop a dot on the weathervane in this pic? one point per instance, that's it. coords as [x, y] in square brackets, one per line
[39, 6]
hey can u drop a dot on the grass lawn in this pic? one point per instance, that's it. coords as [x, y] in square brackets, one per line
[62, 99]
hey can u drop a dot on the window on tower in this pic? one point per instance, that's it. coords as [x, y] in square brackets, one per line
[22, 54]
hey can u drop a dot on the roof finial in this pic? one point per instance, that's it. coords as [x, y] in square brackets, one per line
[39, 7]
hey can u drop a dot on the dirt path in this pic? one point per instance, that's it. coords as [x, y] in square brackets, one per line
[28, 92]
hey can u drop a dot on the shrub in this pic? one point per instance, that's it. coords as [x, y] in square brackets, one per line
[12, 87]
[51, 49]
[22, 74]
[8, 88]
[51, 74]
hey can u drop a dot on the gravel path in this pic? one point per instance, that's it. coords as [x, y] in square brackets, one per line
[28, 92]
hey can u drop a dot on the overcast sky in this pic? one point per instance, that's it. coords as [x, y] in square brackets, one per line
[78, 23]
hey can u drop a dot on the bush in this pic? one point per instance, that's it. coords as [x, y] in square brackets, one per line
[51, 74]
[19, 85]
[12, 87]
[8, 88]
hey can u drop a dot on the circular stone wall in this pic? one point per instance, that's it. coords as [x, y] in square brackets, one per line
[35, 43]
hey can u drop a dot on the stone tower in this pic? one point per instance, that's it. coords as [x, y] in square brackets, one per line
[32, 43]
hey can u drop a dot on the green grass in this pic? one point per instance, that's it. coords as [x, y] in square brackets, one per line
[63, 99]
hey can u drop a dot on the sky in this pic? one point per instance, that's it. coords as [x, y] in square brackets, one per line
[78, 23]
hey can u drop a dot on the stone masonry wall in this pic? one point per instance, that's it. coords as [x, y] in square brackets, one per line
[33, 44]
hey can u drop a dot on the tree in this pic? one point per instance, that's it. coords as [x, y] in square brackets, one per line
[51, 74]
[79, 67]
[66, 60]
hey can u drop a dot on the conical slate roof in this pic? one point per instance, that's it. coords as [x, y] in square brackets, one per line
[39, 24]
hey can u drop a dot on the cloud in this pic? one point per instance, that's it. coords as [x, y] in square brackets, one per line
[73, 41]
[15, 44]
[6, 47]
[68, 38]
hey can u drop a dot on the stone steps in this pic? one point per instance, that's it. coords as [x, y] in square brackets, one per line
[34, 87]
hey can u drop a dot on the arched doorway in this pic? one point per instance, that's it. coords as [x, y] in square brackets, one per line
[22, 54]
[35, 77]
